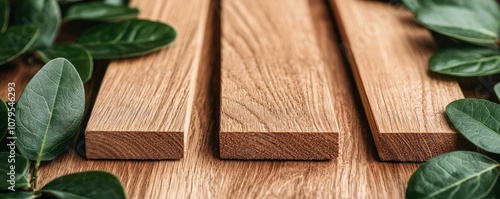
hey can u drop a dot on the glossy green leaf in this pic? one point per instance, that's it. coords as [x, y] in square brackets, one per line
[76, 54]
[16, 40]
[20, 173]
[460, 174]
[4, 14]
[46, 15]
[110, 2]
[127, 38]
[466, 61]
[495, 192]
[413, 5]
[17, 195]
[489, 6]
[461, 23]
[68, 1]
[478, 120]
[99, 11]
[115, 2]
[89, 185]
[49, 111]
[4, 118]
[497, 90]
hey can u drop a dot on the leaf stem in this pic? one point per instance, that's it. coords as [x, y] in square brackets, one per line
[35, 176]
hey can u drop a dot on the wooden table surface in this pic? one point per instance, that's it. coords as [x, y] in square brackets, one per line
[357, 172]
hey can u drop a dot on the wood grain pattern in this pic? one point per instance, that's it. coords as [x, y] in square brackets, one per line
[404, 102]
[275, 101]
[356, 173]
[143, 108]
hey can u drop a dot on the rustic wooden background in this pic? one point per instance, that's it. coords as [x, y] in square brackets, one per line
[382, 82]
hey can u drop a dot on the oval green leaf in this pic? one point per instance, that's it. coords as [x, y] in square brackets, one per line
[460, 174]
[497, 90]
[18, 195]
[99, 11]
[20, 173]
[478, 120]
[127, 38]
[466, 61]
[67, 1]
[461, 23]
[115, 2]
[489, 6]
[4, 14]
[76, 54]
[413, 5]
[16, 40]
[495, 192]
[49, 111]
[44, 14]
[90, 185]
[4, 118]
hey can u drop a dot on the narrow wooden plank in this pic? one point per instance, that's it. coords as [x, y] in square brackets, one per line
[404, 102]
[356, 173]
[275, 102]
[143, 108]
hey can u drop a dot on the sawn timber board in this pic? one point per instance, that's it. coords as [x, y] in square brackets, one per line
[275, 97]
[143, 107]
[404, 102]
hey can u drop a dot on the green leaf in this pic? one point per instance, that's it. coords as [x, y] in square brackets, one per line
[413, 5]
[495, 192]
[461, 23]
[16, 40]
[127, 38]
[115, 2]
[89, 185]
[4, 118]
[478, 120]
[19, 173]
[67, 1]
[109, 2]
[17, 195]
[4, 14]
[489, 6]
[76, 54]
[99, 11]
[46, 15]
[466, 61]
[49, 111]
[497, 90]
[460, 174]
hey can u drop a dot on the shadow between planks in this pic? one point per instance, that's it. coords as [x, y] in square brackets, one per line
[356, 173]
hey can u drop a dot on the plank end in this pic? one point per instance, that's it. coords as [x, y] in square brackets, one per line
[278, 146]
[134, 145]
[418, 147]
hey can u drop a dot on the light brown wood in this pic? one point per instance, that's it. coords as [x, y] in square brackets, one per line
[275, 101]
[143, 108]
[356, 173]
[403, 100]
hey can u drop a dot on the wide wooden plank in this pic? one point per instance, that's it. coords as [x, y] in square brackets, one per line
[403, 100]
[356, 173]
[143, 108]
[275, 101]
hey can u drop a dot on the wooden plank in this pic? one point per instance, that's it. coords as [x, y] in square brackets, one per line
[143, 108]
[275, 101]
[403, 100]
[356, 173]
